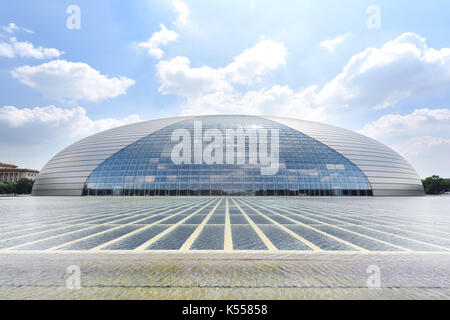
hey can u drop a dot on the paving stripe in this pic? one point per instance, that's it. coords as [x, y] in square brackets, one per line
[85, 220]
[91, 236]
[108, 224]
[290, 232]
[345, 230]
[143, 246]
[211, 238]
[104, 245]
[258, 231]
[238, 253]
[228, 241]
[83, 229]
[80, 223]
[45, 244]
[197, 231]
[390, 234]
[382, 215]
[348, 217]
[354, 246]
[60, 219]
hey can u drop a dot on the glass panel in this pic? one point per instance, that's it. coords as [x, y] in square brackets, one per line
[306, 166]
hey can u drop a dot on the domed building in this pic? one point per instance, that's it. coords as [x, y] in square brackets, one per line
[227, 155]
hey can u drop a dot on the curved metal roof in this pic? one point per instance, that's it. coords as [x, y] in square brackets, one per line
[388, 173]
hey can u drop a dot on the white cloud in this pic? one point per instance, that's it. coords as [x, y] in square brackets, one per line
[12, 27]
[211, 91]
[331, 44]
[158, 39]
[31, 136]
[420, 121]
[418, 145]
[28, 30]
[372, 79]
[73, 81]
[379, 78]
[265, 56]
[7, 50]
[15, 48]
[183, 12]
[277, 100]
[422, 136]
[164, 36]
[74, 120]
[177, 77]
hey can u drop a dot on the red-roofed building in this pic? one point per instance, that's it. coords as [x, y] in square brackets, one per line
[12, 173]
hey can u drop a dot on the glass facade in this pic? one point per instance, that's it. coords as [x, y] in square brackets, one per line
[306, 166]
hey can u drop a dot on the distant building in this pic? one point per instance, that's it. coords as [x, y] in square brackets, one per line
[12, 173]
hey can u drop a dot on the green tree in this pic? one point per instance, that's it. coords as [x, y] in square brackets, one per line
[447, 185]
[24, 186]
[7, 188]
[435, 185]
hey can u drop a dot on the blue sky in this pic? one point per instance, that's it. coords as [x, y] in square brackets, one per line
[315, 60]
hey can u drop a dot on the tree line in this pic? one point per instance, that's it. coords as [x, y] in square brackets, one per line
[431, 185]
[23, 186]
[436, 185]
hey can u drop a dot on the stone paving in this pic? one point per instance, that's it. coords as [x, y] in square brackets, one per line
[225, 224]
[225, 247]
